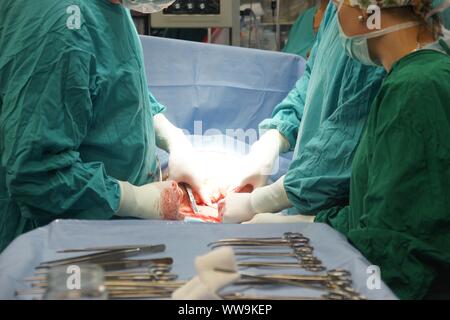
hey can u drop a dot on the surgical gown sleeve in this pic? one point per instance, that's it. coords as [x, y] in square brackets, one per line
[399, 209]
[287, 115]
[156, 107]
[337, 217]
[45, 126]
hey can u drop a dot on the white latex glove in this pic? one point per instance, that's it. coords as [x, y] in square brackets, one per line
[159, 200]
[241, 207]
[236, 208]
[263, 218]
[258, 165]
[184, 164]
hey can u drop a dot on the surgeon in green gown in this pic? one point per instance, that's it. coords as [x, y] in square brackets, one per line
[321, 120]
[78, 127]
[444, 15]
[303, 33]
[399, 212]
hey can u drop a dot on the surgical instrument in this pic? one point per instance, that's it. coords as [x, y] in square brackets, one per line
[153, 282]
[296, 253]
[131, 276]
[335, 281]
[293, 240]
[111, 248]
[191, 198]
[122, 289]
[287, 238]
[339, 277]
[314, 266]
[133, 264]
[105, 256]
[123, 264]
[329, 296]
[298, 244]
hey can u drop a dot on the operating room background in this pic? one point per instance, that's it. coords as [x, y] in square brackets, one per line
[258, 29]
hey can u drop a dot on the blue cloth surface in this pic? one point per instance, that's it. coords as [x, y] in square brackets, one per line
[184, 242]
[223, 87]
[214, 90]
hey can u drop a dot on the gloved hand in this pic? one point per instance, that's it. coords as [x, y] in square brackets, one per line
[241, 207]
[258, 164]
[263, 218]
[236, 208]
[159, 200]
[184, 164]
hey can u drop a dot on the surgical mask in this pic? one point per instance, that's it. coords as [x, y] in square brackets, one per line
[147, 6]
[357, 47]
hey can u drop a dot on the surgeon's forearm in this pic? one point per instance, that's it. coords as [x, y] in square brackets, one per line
[78, 191]
[169, 137]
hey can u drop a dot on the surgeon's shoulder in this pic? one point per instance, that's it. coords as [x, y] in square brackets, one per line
[425, 71]
[53, 22]
[417, 87]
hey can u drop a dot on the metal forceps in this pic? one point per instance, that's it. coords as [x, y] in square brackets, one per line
[109, 248]
[299, 244]
[337, 279]
[293, 240]
[336, 282]
[296, 253]
[303, 255]
[141, 290]
[329, 296]
[154, 273]
[111, 255]
[314, 265]
[123, 264]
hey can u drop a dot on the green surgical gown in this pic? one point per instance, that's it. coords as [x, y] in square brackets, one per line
[445, 15]
[75, 112]
[399, 212]
[301, 37]
[324, 116]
